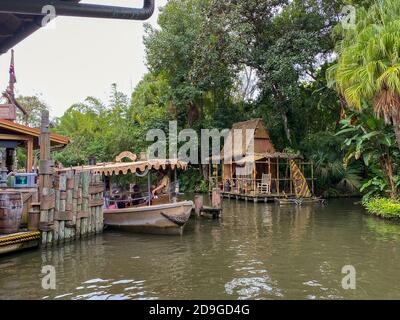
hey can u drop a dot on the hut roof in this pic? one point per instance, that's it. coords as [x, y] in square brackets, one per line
[240, 140]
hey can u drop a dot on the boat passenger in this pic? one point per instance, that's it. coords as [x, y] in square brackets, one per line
[163, 186]
[137, 197]
[58, 164]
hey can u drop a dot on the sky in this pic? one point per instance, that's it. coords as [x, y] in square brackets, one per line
[80, 57]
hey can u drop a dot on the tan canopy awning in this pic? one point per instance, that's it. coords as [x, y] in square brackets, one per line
[117, 168]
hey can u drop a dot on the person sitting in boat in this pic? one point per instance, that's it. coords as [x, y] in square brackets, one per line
[137, 197]
[58, 165]
[163, 186]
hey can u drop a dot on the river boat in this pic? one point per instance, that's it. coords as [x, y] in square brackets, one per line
[164, 214]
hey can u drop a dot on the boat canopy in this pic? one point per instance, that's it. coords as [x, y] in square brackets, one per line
[118, 168]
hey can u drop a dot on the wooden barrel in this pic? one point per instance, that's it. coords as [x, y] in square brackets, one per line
[11, 207]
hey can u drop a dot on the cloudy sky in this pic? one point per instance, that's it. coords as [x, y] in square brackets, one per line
[79, 58]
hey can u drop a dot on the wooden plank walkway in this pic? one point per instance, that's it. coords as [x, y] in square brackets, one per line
[255, 197]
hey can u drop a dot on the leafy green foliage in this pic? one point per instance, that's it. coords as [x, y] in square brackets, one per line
[383, 207]
[370, 140]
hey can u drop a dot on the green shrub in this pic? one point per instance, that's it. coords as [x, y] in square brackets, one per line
[383, 207]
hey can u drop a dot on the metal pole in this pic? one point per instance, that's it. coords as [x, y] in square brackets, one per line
[149, 187]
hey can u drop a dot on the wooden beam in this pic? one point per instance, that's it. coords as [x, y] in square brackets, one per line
[14, 137]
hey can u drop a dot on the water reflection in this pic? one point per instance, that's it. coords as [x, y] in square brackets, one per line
[256, 251]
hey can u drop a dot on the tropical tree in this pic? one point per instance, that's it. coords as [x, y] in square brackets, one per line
[33, 105]
[368, 139]
[368, 67]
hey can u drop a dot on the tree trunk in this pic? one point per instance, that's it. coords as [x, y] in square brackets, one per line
[387, 167]
[286, 127]
[396, 127]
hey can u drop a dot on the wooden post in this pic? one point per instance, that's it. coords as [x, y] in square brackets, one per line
[198, 204]
[216, 176]
[78, 195]
[75, 211]
[269, 165]
[85, 176]
[312, 177]
[290, 177]
[277, 176]
[209, 177]
[29, 155]
[231, 175]
[69, 225]
[216, 199]
[45, 183]
[255, 178]
[62, 234]
[57, 208]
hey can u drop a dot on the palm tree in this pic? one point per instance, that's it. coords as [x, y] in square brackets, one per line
[368, 68]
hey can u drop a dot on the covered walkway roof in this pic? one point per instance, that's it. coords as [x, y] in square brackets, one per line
[13, 131]
[20, 18]
[16, 27]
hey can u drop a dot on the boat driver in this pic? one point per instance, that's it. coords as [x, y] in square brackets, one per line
[163, 186]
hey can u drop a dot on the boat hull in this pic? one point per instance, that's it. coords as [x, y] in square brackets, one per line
[166, 219]
[299, 202]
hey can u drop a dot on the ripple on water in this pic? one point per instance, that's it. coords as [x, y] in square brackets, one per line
[251, 288]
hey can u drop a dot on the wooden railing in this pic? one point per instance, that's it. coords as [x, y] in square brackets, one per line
[250, 186]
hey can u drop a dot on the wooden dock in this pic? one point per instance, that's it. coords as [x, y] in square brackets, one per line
[270, 197]
[19, 241]
[215, 213]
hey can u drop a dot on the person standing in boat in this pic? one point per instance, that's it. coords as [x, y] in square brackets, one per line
[163, 186]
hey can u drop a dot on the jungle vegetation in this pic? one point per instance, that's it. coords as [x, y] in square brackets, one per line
[330, 92]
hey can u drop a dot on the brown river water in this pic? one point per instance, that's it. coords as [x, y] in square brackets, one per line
[256, 251]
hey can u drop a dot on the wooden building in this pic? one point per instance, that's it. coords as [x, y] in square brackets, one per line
[251, 168]
[13, 135]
